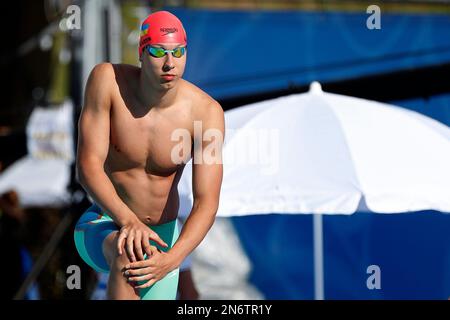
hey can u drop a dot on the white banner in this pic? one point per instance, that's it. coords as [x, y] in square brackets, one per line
[50, 133]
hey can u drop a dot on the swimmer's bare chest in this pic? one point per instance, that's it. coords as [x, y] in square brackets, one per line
[140, 160]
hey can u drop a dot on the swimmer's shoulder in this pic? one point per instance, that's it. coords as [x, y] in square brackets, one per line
[101, 72]
[111, 74]
[126, 70]
[113, 80]
[203, 105]
[99, 87]
[101, 81]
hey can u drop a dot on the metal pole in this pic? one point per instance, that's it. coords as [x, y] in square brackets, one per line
[114, 29]
[318, 257]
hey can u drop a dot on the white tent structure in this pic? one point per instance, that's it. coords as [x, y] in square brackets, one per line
[322, 153]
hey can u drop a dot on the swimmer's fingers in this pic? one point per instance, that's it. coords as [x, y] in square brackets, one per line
[121, 241]
[149, 249]
[147, 284]
[140, 278]
[130, 247]
[154, 236]
[137, 272]
[138, 247]
[133, 266]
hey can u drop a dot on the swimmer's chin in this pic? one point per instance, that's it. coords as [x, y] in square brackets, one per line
[168, 84]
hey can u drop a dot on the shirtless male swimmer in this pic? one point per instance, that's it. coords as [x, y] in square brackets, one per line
[125, 163]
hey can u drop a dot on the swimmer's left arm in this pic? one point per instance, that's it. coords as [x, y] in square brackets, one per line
[207, 172]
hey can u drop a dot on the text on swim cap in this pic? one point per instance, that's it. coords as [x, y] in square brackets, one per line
[168, 30]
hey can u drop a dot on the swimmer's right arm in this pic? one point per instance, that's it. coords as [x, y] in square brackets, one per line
[93, 145]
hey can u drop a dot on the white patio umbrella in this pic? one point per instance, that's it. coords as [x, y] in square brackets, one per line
[324, 153]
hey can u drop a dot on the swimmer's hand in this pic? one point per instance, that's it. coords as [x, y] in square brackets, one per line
[156, 267]
[136, 236]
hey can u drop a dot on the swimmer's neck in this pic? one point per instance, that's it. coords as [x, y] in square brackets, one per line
[156, 97]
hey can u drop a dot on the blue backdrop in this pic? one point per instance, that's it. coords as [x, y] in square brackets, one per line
[411, 249]
[233, 53]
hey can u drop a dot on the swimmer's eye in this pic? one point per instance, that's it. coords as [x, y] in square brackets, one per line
[159, 52]
[156, 52]
[178, 52]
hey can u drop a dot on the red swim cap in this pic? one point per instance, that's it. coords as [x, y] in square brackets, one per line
[161, 27]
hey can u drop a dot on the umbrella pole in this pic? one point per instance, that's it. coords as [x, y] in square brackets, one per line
[318, 257]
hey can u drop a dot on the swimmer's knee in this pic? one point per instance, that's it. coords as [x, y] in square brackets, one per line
[114, 260]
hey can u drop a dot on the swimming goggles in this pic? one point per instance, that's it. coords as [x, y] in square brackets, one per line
[159, 52]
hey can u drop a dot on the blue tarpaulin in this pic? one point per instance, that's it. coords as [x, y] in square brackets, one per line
[410, 249]
[233, 53]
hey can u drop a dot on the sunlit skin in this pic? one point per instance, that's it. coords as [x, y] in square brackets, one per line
[124, 162]
[153, 68]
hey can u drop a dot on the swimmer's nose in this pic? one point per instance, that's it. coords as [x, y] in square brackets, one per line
[169, 64]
